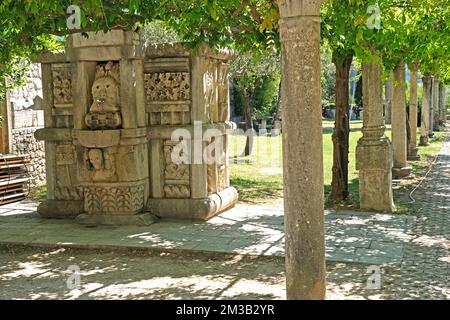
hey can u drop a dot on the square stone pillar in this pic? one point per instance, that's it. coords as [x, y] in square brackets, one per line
[302, 149]
[426, 103]
[187, 92]
[413, 113]
[399, 134]
[374, 150]
[437, 107]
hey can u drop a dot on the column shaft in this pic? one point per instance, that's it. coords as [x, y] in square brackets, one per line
[302, 149]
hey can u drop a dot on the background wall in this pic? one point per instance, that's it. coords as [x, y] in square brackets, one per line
[26, 118]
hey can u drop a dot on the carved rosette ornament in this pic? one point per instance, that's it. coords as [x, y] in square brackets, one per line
[105, 109]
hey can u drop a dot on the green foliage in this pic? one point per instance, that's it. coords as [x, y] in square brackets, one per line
[157, 31]
[257, 76]
[328, 75]
[265, 96]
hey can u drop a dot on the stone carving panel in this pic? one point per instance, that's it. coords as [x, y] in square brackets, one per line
[109, 199]
[177, 176]
[101, 164]
[168, 97]
[223, 96]
[62, 86]
[177, 191]
[167, 86]
[104, 112]
[65, 154]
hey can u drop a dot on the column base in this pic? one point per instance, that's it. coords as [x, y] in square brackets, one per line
[143, 219]
[194, 209]
[374, 163]
[60, 209]
[399, 173]
[424, 142]
[413, 154]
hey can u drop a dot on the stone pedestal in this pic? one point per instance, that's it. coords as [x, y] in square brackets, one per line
[111, 110]
[302, 149]
[399, 134]
[413, 115]
[374, 150]
[426, 101]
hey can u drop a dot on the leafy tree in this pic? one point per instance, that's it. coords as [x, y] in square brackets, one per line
[248, 72]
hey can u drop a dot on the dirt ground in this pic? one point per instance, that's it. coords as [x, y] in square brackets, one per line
[34, 273]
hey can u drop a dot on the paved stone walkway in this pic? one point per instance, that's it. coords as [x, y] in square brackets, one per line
[251, 230]
[425, 269]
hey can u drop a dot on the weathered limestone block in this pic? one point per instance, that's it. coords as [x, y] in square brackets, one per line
[184, 89]
[110, 110]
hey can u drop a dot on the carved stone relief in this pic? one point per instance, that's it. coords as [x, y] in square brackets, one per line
[104, 112]
[62, 87]
[168, 97]
[101, 164]
[167, 86]
[222, 82]
[177, 176]
[107, 199]
[65, 154]
[211, 178]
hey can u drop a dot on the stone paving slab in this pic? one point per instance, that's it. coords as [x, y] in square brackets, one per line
[251, 230]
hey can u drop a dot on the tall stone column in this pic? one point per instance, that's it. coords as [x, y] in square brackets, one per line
[302, 149]
[425, 121]
[388, 100]
[431, 109]
[374, 150]
[412, 148]
[442, 107]
[399, 140]
[436, 110]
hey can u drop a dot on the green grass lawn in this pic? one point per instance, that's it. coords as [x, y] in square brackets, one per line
[258, 178]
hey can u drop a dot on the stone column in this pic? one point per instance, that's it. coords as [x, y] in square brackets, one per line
[431, 109]
[425, 123]
[436, 106]
[442, 108]
[374, 150]
[399, 141]
[388, 100]
[302, 149]
[412, 148]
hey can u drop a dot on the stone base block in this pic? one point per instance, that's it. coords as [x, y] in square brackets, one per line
[399, 173]
[59, 209]
[194, 209]
[375, 190]
[143, 219]
[424, 142]
[413, 154]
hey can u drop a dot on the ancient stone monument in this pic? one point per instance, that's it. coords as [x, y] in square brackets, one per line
[374, 150]
[111, 106]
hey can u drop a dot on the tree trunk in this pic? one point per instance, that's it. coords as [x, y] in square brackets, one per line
[248, 124]
[339, 184]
